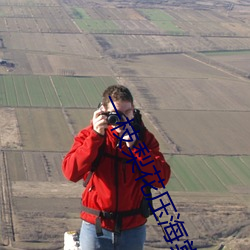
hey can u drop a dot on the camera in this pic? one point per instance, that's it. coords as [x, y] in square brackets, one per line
[112, 117]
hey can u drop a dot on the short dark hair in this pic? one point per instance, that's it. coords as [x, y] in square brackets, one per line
[117, 93]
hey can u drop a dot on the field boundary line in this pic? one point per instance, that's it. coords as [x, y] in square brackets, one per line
[65, 115]
[185, 188]
[204, 110]
[69, 123]
[190, 167]
[5, 93]
[27, 89]
[7, 207]
[42, 88]
[41, 52]
[219, 68]
[232, 171]
[15, 90]
[247, 166]
[80, 85]
[69, 89]
[213, 172]
[35, 151]
[54, 87]
[25, 166]
[79, 29]
[169, 160]
[169, 141]
[96, 84]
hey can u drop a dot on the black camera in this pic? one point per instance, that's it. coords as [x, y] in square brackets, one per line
[112, 117]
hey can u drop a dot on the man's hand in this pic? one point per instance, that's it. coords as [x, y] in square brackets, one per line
[127, 136]
[100, 122]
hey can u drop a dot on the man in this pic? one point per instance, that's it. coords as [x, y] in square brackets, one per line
[112, 214]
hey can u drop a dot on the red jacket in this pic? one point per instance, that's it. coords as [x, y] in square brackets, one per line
[102, 193]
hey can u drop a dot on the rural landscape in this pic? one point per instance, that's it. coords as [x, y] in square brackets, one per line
[187, 64]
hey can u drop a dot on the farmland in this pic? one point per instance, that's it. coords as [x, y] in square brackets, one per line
[188, 68]
[209, 173]
[55, 91]
[237, 59]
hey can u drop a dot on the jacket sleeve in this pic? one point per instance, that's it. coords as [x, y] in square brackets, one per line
[158, 169]
[83, 152]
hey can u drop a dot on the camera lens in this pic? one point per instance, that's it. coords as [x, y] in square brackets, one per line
[113, 119]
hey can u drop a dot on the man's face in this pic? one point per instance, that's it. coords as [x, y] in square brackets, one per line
[123, 106]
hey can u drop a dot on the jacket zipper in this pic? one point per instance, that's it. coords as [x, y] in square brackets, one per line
[117, 219]
[124, 171]
[116, 178]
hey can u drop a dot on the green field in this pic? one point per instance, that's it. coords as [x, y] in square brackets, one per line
[55, 91]
[208, 173]
[93, 25]
[79, 13]
[226, 53]
[161, 19]
[87, 23]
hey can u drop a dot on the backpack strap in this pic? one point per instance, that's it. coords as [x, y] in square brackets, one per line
[110, 215]
[138, 124]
